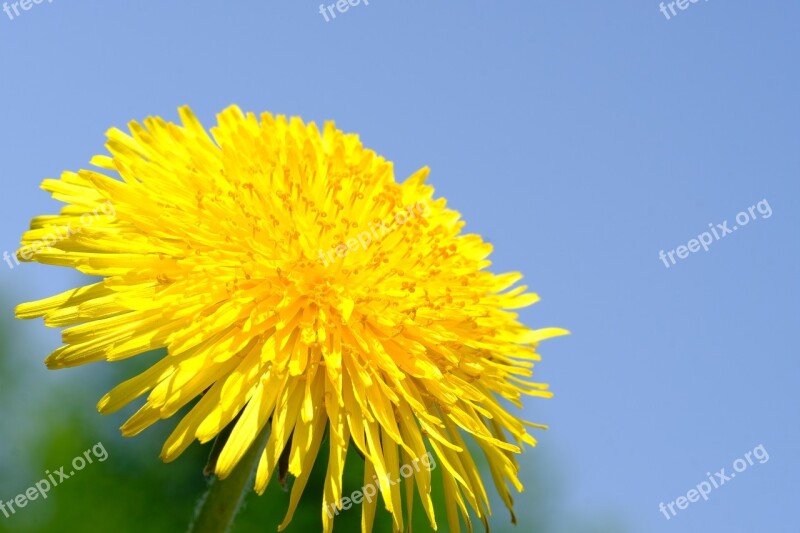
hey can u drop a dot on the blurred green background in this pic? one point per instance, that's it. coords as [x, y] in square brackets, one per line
[49, 418]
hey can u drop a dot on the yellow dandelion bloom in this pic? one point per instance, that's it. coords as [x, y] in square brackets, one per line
[296, 285]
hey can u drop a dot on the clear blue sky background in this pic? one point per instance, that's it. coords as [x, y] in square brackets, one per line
[580, 138]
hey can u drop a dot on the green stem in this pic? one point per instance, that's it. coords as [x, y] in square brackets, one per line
[218, 507]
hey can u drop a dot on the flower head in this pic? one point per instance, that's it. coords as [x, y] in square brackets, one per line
[295, 284]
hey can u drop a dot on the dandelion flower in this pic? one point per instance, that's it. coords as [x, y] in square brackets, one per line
[219, 248]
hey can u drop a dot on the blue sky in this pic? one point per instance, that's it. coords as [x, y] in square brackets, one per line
[579, 139]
